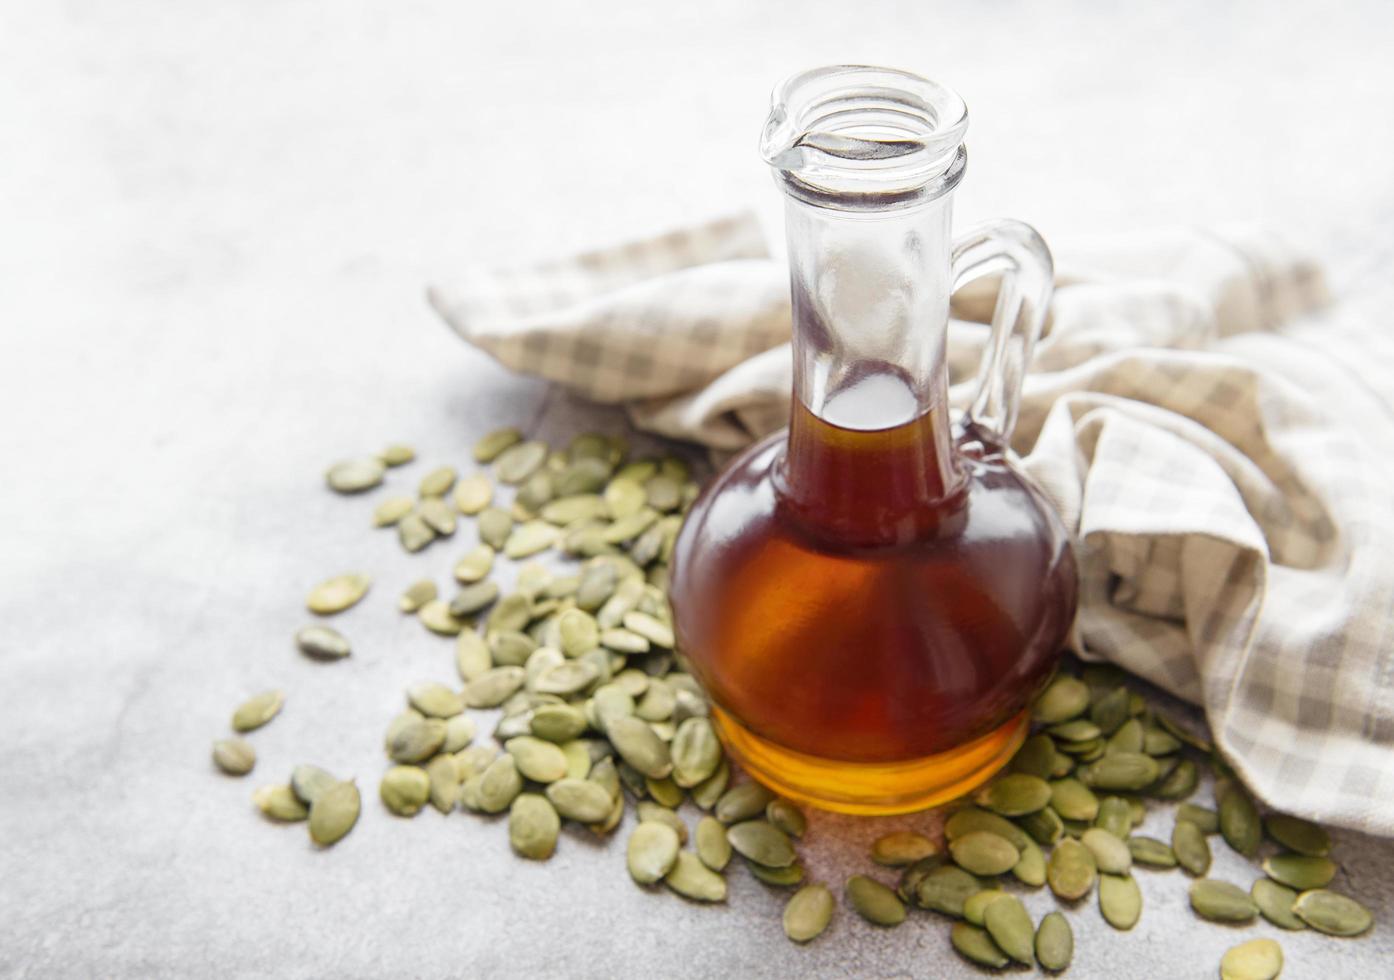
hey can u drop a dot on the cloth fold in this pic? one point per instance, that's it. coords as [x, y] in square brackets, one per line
[1216, 437]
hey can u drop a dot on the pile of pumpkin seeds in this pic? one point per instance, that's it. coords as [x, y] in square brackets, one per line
[596, 707]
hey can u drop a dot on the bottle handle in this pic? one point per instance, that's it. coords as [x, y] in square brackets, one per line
[1019, 254]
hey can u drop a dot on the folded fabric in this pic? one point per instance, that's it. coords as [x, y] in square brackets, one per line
[1216, 437]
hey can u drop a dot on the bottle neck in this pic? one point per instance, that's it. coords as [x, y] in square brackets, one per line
[870, 457]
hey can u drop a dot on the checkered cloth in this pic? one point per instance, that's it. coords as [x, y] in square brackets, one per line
[1218, 440]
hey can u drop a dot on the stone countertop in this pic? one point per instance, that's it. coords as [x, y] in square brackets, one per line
[216, 225]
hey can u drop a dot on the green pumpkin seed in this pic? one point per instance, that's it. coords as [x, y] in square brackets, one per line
[279, 803]
[558, 723]
[414, 533]
[1036, 757]
[1239, 822]
[1128, 771]
[1300, 871]
[334, 813]
[984, 853]
[1257, 959]
[1207, 820]
[1009, 924]
[1071, 870]
[472, 598]
[976, 946]
[494, 525]
[808, 913]
[535, 493]
[695, 751]
[257, 710]
[628, 528]
[706, 793]
[1191, 848]
[569, 677]
[1014, 795]
[1221, 901]
[1115, 816]
[474, 760]
[1044, 826]
[405, 790]
[1055, 942]
[499, 784]
[1111, 854]
[472, 658]
[903, 847]
[650, 628]
[397, 455]
[1151, 852]
[417, 595]
[1073, 800]
[533, 826]
[580, 800]
[438, 515]
[435, 700]
[761, 842]
[1155, 741]
[783, 814]
[658, 702]
[1275, 903]
[437, 617]
[1066, 697]
[492, 688]
[518, 462]
[713, 847]
[529, 539]
[438, 482]
[946, 889]
[970, 818]
[571, 509]
[873, 901]
[487, 449]
[392, 510]
[578, 632]
[743, 802]
[308, 782]
[912, 874]
[623, 641]
[584, 476]
[1180, 783]
[416, 740]
[976, 906]
[652, 852]
[1078, 730]
[234, 756]
[510, 648]
[657, 813]
[1111, 711]
[1120, 900]
[1030, 868]
[1128, 738]
[664, 791]
[338, 593]
[624, 497]
[692, 879]
[1296, 834]
[473, 494]
[640, 747]
[1331, 913]
[512, 612]
[444, 776]
[355, 475]
[540, 761]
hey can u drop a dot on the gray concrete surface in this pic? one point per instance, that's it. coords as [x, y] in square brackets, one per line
[216, 223]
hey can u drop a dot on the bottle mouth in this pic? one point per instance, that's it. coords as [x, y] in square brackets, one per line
[856, 137]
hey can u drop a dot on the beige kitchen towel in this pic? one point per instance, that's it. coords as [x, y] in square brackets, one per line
[1216, 435]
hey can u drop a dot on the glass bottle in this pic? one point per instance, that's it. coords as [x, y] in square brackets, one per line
[873, 596]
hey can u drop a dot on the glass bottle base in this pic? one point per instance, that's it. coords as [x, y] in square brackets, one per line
[872, 788]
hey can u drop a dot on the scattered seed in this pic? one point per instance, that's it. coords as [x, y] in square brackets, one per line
[487, 449]
[692, 879]
[1275, 903]
[984, 853]
[808, 913]
[355, 476]
[258, 710]
[1191, 848]
[1257, 959]
[234, 756]
[1067, 697]
[1120, 900]
[397, 454]
[1111, 854]
[1300, 871]
[473, 494]
[338, 593]
[783, 814]
[533, 826]
[873, 901]
[1296, 834]
[1009, 924]
[761, 842]
[520, 461]
[438, 482]
[1331, 913]
[334, 813]
[1070, 871]
[903, 847]
[279, 803]
[437, 617]
[405, 790]
[1207, 820]
[1128, 771]
[1014, 795]
[1055, 942]
[713, 847]
[946, 889]
[975, 945]
[1221, 901]
[1239, 822]
[1151, 852]
[417, 595]
[392, 510]
[414, 533]
[743, 802]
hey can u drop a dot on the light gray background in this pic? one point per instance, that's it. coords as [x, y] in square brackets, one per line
[216, 224]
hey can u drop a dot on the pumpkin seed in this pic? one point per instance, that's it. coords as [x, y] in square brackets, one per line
[1331, 913]
[308, 782]
[355, 475]
[984, 853]
[976, 946]
[902, 847]
[1296, 834]
[1014, 795]
[1115, 816]
[540, 761]
[473, 494]
[583, 476]
[1207, 820]
[536, 491]
[417, 595]
[437, 617]
[1155, 741]
[1128, 771]
[1190, 847]
[783, 814]
[1075, 730]
[493, 687]
[1221, 901]
[414, 533]
[435, 700]
[946, 889]
[808, 913]
[472, 658]
[658, 702]
[971, 818]
[416, 740]
[533, 826]
[279, 803]
[1128, 738]
[761, 842]
[641, 748]
[1044, 826]
[1275, 903]
[1030, 868]
[650, 628]
[438, 482]
[1111, 711]
[743, 802]
[529, 539]
[405, 790]
[392, 510]
[1257, 959]
[1180, 783]
[1055, 942]
[657, 813]
[1066, 697]
[1151, 852]
[569, 677]
[334, 813]
[628, 528]
[494, 525]
[512, 612]
[1111, 854]
[472, 598]
[558, 722]
[692, 879]
[487, 449]
[578, 632]
[1300, 871]
[397, 454]
[580, 800]
[873, 901]
[1009, 924]
[338, 593]
[713, 847]
[257, 710]
[518, 462]
[652, 852]
[624, 497]
[510, 648]
[444, 777]
[623, 641]
[438, 515]
[1073, 800]
[234, 756]
[1036, 757]
[499, 784]
[664, 791]
[695, 751]
[912, 874]
[1120, 900]
[706, 793]
[1239, 822]
[1071, 870]
[977, 904]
